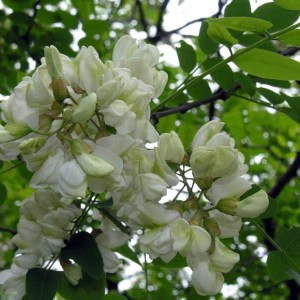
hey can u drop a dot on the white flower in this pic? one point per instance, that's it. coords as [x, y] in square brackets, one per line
[189, 239]
[253, 206]
[157, 242]
[219, 162]
[206, 278]
[171, 148]
[72, 180]
[90, 69]
[85, 109]
[227, 188]
[72, 272]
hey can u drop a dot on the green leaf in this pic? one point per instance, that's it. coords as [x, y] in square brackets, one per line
[19, 5]
[242, 23]
[223, 76]
[187, 56]
[251, 38]
[127, 252]
[275, 265]
[271, 210]
[220, 34]
[294, 103]
[288, 4]
[200, 90]
[278, 16]
[291, 38]
[92, 27]
[84, 8]
[271, 96]
[204, 42]
[238, 8]
[1, 164]
[41, 284]
[267, 64]
[177, 262]
[247, 85]
[3, 193]
[86, 289]
[83, 249]
[289, 239]
[114, 296]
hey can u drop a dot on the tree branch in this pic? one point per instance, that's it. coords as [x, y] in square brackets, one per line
[183, 108]
[9, 230]
[30, 26]
[142, 16]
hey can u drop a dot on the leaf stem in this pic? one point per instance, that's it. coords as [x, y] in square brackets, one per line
[273, 242]
[194, 80]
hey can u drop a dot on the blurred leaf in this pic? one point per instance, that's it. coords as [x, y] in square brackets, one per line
[83, 249]
[41, 284]
[86, 289]
[114, 296]
[278, 16]
[266, 64]
[223, 76]
[271, 96]
[242, 23]
[92, 27]
[200, 90]
[129, 253]
[177, 262]
[247, 85]
[204, 42]
[289, 239]
[240, 8]
[187, 56]
[19, 5]
[288, 4]
[84, 8]
[3, 193]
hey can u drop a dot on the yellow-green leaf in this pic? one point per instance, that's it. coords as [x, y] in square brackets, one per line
[220, 34]
[288, 4]
[243, 23]
[267, 64]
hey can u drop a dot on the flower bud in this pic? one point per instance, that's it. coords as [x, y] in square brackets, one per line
[171, 148]
[85, 109]
[59, 89]
[90, 164]
[12, 131]
[227, 206]
[53, 62]
[32, 145]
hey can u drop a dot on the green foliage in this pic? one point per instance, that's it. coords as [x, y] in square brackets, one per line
[83, 249]
[266, 64]
[186, 56]
[41, 284]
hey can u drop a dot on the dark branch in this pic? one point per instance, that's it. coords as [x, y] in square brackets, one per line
[30, 26]
[183, 108]
[9, 230]
[285, 178]
[142, 16]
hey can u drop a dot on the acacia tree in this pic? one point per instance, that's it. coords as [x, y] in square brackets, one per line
[95, 142]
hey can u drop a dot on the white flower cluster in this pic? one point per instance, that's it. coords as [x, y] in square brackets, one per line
[82, 127]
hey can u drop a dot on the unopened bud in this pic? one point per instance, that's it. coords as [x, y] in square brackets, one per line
[92, 165]
[53, 62]
[204, 183]
[32, 145]
[227, 206]
[59, 89]
[85, 109]
[13, 131]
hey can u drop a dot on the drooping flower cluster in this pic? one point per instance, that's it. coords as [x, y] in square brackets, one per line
[83, 128]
